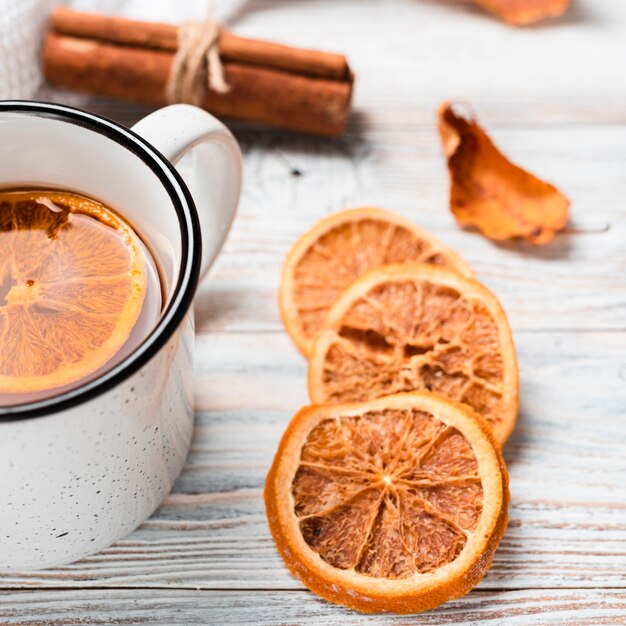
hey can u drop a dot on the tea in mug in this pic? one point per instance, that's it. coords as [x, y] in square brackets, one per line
[79, 291]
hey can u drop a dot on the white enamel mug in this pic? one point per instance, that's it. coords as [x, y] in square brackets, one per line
[82, 469]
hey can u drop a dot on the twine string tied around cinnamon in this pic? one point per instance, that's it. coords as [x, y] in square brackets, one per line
[197, 65]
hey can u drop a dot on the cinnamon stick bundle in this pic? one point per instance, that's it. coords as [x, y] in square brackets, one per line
[292, 88]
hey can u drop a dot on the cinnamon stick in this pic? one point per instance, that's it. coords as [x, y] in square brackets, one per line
[297, 89]
[65, 21]
[140, 75]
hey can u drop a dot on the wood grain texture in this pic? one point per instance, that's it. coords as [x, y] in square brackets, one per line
[553, 99]
[191, 608]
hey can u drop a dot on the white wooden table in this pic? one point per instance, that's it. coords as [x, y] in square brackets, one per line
[554, 99]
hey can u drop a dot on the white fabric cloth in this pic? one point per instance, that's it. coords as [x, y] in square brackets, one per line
[23, 23]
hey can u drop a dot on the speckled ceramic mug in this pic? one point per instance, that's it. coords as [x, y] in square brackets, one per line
[82, 469]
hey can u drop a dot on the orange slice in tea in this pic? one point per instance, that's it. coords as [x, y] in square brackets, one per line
[397, 504]
[72, 284]
[339, 249]
[409, 327]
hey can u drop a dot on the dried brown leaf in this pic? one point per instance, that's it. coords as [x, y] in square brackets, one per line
[524, 12]
[491, 193]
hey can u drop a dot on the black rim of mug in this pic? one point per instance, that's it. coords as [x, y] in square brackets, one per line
[191, 254]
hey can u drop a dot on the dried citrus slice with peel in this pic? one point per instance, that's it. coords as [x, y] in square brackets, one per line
[396, 504]
[72, 283]
[339, 249]
[409, 327]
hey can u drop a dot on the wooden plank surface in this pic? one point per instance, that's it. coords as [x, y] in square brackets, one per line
[554, 98]
[194, 608]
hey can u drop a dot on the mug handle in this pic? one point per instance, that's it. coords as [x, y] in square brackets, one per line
[213, 171]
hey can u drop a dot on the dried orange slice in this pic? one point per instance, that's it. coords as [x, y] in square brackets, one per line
[339, 249]
[72, 283]
[408, 327]
[397, 504]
